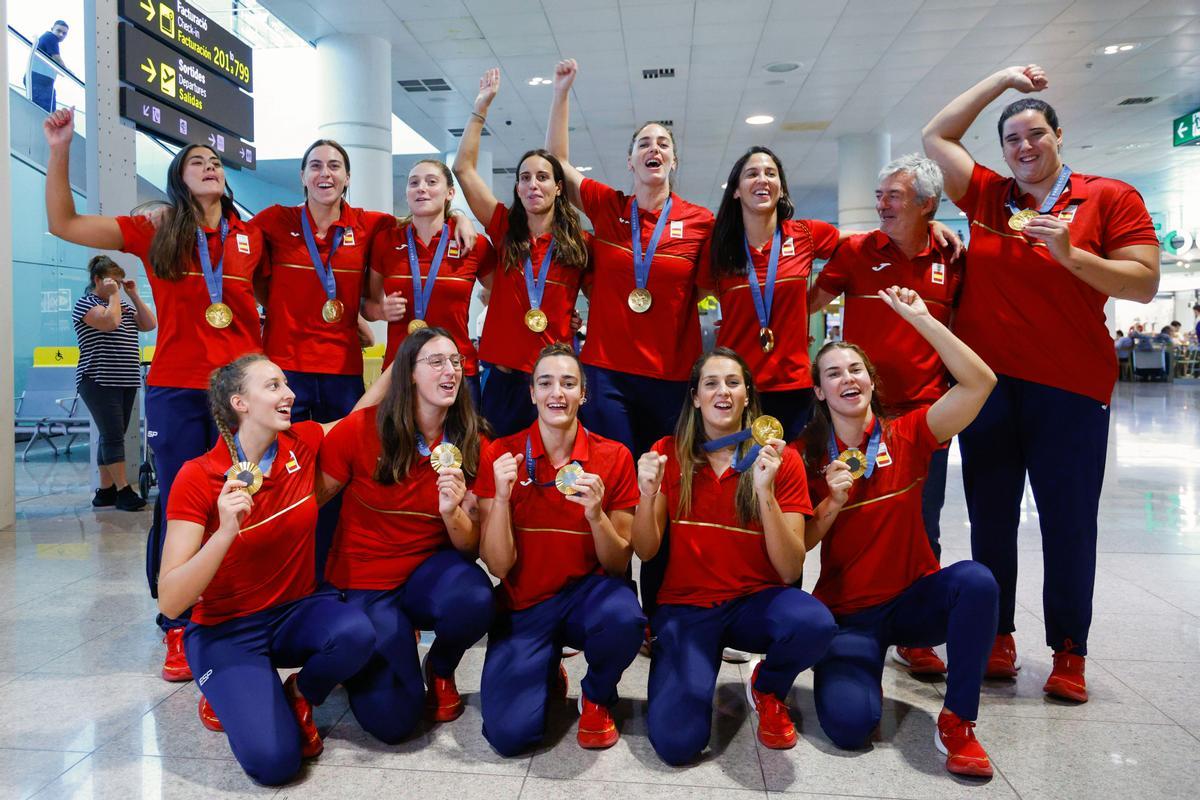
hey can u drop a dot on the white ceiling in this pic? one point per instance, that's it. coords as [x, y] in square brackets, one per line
[867, 66]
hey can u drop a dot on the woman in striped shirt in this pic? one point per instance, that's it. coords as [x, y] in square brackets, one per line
[109, 373]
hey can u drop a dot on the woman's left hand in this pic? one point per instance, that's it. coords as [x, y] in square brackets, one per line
[464, 232]
[589, 493]
[766, 466]
[945, 237]
[452, 489]
[1056, 234]
[130, 287]
[905, 302]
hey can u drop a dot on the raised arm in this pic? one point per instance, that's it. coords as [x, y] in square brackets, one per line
[479, 195]
[558, 137]
[942, 136]
[650, 516]
[974, 379]
[85, 229]
[497, 547]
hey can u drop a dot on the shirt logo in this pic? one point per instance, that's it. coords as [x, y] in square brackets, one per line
[348, 237]
[938, 274]
[292, 465]
[452, 250]
[1067, 214]
[203, 679]
[295, 233]
[243, 244]
[789, 247]
[677, 229]
[878, 267]
[883, 458]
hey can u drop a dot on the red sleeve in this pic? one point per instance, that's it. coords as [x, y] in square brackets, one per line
[192, 499]
[376, 221]
[982, 179]
[1126, 221]
[485, 479]
[484, 444]
[380, 250]
[705, 278]
[137, 233]
[337, 450]
[264, 219]
[791, 485]
[835, 277]
[620, 485]
[311, 433]
[914, 427]
[488, 259]
[599, 200]
[825, 238]
[497, 226]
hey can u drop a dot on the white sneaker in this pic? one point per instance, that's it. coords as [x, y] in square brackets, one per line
[568, 652]
[731, 656]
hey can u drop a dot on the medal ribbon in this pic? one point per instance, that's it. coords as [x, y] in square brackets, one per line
[1060, 184]
[268, 457]
[763, 300]
[531, 462]
[740, 464]
[324, 268]
[212, 277]
[535, 283]
[642, 261]
[872, 447]
[422, 292]
[423, 447]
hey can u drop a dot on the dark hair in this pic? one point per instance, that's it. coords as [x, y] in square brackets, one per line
[816, 433]
[570, 246]
[396, 423]
[729, 233]
[1176, 323]
[101, 267]
[690, 438]
[60, 22]
[558, 349]
[223, 384]
[325, 143]
[173, 247]
[1027, 104]
[1120, 333]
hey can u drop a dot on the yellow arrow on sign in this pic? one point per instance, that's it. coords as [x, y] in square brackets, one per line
[148, 7]
[150, 71]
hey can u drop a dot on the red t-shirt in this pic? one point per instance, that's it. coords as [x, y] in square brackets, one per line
[1025, 313]
[787, 366]
[910, 372]
[553, 539]
[715, 557]
[877, 546]
[296, 336]
[664, 341]
[506, 340]
[273, 558]
[450, 301]
[383, 532]
[187, 348]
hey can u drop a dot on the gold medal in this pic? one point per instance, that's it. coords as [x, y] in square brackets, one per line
[1019, 220]
[854, 459]
[766, 428]
[219, 315]
[640, 300]
[332, 311]
[445, 456]
[766, 339]
[567, 477]
[536, 320]
[248, 473]
[416, 325]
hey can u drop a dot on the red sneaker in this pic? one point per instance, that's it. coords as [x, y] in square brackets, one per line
[558, 684]
[310, 738]
[1003, 661]
[208, 717]
[775, 727]
[175, 666]
[647, 643]
[596, 727]
[919, 660]
[955, 738]
[1066, 680]
[442, 701]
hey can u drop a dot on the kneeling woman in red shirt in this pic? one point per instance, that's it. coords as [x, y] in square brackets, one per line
[878, 573]
[404, 551]
[239, 553]
[557, 505]
[737, 509]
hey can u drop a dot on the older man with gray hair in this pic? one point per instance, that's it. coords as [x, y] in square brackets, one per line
[900, 252]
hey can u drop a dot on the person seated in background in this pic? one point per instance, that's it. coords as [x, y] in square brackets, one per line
[1163, 336]
[1124, 348]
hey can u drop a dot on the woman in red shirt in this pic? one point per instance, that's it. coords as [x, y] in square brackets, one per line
[879, 576]
[421, 276]
[557, 504]
[544, 255]
[405, 547]
[737, 510]
[239, 554]
[200, 261]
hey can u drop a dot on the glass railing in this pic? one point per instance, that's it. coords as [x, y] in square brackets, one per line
[26, 64]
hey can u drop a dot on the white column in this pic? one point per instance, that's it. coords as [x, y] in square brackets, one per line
[860, 157]
[111, 168]
[7, 450]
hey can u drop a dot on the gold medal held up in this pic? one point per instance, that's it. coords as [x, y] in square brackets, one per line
[332, 311]
[536, 320]
[1019, 220]
[854, 459]
[766, 428]
[416, 325]
[248, 473]
[567, 477]
[219, 315]
[445, 456]
[640, 300]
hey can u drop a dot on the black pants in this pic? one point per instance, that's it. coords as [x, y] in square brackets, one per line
[111, 407]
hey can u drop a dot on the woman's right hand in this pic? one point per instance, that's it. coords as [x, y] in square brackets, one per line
[839, 480]
[394, 306]
[505, 471]
[59, 127]
[489, 86]
[233, 505]
[650, 469]
[1026, 79]
[107, 288]
[564, 74]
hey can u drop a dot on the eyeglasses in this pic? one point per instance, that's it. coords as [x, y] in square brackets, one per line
[438, 361]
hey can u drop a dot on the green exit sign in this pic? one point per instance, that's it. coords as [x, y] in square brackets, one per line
[1186, 129]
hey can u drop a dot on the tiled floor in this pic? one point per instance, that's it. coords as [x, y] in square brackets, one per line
[84, 713]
